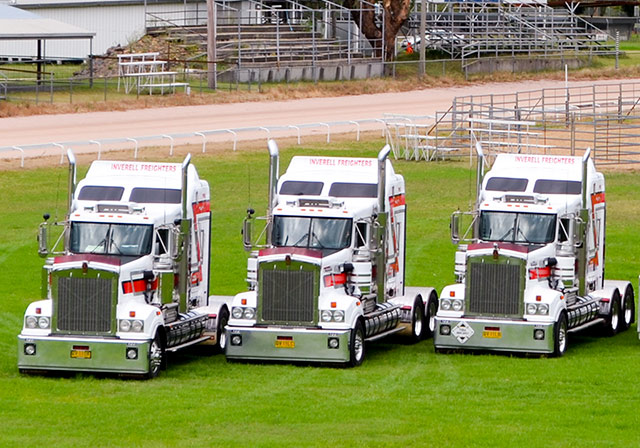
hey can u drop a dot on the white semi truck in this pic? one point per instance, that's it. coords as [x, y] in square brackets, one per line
[533, 269]
[127, 280]
[331, 275]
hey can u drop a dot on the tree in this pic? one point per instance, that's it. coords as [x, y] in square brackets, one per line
[396, 12]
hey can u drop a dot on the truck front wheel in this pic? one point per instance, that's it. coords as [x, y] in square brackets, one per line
[560, 336]
[356, 346]
[417, 321]
[155, 357]
[221, 334]
[432, 310]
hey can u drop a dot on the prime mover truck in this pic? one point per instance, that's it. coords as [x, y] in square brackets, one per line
[331, 274]
[127, 279]
[533, 269]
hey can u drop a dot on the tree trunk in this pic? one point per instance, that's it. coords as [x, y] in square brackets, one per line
[396, 13]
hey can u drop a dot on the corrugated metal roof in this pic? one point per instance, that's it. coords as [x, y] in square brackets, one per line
[16, 24]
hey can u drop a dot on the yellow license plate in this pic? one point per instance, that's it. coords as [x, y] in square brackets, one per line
[285, 343]
[492, 334]
[81, 354]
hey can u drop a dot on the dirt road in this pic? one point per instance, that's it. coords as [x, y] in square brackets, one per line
[70, 129]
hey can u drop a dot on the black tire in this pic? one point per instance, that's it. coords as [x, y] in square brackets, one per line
[155, 357]
[628, 309]
[221, 334]
[356, 346]
[560, 340]
[418, 321]
[613, 321]
[432, 310]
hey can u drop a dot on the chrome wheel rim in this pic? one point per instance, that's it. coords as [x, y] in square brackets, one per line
[614, 316]
[417, 323]
[627, 313]
[562, 338]
[358, 346]
[432, 318]
[155, 357]
[223, 340]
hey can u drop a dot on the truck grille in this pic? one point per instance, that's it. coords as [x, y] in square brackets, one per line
[84, 304]
[494, 289]
[287, 296]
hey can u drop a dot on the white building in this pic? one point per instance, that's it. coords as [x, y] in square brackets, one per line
[114, 22]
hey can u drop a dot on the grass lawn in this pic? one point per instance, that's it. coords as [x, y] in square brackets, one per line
[403, 395]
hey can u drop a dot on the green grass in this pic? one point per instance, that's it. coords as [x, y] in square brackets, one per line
[403, 395]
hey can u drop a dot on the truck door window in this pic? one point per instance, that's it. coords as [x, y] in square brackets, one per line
[563, 231]
[162, 241]
[312, 233]
[531, 228]
[361, 234]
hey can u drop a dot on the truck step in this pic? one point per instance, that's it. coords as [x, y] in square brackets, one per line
[600, 320]
[386, 333]
[187, 344]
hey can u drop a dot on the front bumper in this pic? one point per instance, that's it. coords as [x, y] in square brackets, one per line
[489, 334]
[91, 354]
[288, 344]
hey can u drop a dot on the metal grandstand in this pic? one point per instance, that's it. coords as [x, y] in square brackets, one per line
[469, 30]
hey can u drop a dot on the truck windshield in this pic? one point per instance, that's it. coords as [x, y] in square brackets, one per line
[313, 233]
[531, 228]
[132, 240]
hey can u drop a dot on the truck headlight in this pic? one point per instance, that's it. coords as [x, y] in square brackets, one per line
[326, 316]
[456, 305]
[31, 322]
[531, 308]
[543, 309]
[249, 313]
[236, 312]
[338, 316]
[125, 325]
[43, 322]
[137, 326]
[445, 304]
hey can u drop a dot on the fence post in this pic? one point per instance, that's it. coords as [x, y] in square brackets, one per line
[617, 48]
[573, 133]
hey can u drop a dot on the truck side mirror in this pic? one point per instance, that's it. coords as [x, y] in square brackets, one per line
[247, 225]
[579, 231]
[454, 225]
[174, 243]
[43, 251]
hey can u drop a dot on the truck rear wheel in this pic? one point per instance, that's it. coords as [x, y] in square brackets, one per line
[612, 322]
[560, 336]
[155, 357]
[627, 312]
[417, 321]
[356, 346]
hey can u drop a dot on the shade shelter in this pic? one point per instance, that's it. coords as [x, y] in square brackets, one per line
[17, 24]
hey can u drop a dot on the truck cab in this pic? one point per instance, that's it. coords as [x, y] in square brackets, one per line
[331, 274]
[533, 270]
[128, 278]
